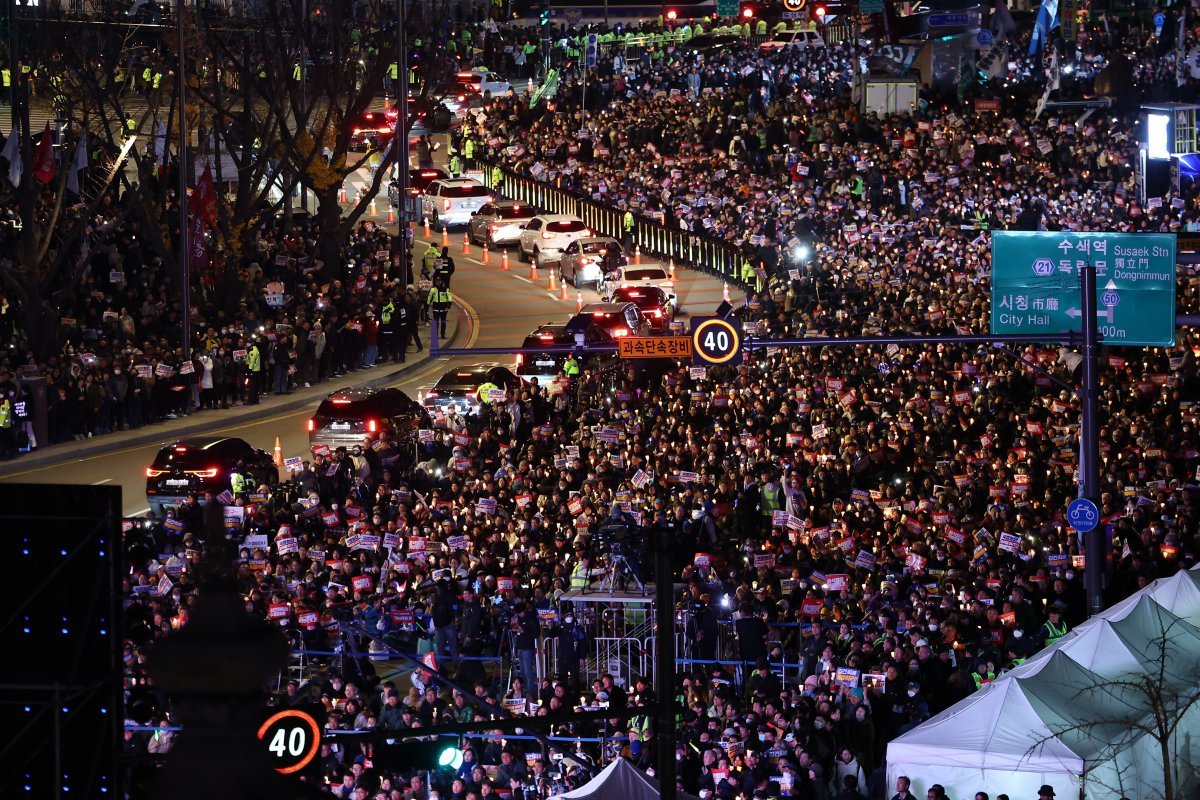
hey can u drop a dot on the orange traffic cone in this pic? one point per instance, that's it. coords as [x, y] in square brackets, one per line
[563, 291]
[391, 217]
[445, 237]
[487, 257]
[529, 86]
[727, 293]
[278, 453]
[637, 254]
[466, 244]
[533, 271]
[578, 302]
[671, 268]
[428, 233]
[342, 195]
[373, 211]
[504, 261]
[553, 285]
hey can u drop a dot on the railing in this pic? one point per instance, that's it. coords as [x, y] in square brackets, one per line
[696, 251]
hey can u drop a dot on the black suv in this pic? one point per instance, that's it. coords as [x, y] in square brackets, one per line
[353, 415]
[203, 464]
[546, 368]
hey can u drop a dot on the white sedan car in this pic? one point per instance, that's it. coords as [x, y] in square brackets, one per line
[643, 275]
[545, 236]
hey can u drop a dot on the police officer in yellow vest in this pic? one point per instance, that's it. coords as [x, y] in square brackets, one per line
[455, 166]
[770, 498]
[580, 574]
[983, 674]
[627, 223]
[6, 75]
[497, 177]
[571, 366]
[387, 331]
[429, 259]
[237, 481]
[440, 300]
[469, 151]
[483, 394]
[8, 445]
[254, 368]
[1053, 628]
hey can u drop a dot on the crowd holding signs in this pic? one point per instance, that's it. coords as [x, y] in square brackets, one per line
[866, 535]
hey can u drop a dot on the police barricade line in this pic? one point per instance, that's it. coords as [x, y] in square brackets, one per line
[343, 731]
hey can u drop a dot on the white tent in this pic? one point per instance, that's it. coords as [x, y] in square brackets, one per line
[620, 780]
[1037, 724]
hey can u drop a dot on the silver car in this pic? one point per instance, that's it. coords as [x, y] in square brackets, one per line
[582, 261]
[500, 222]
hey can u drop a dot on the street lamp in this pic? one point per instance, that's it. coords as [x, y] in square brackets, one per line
[400, 139]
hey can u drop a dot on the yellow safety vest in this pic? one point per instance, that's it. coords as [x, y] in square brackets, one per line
[7, 75]
[254, 359]
[1053, 632]
[5, 414]
[385, 313]
[440, 297]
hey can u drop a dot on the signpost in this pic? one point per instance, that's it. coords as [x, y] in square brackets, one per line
[1083, 515]
[955, 20]
[291, 738]
[1036, 286]
[654, 347]
[715, 341]
[870, 6]
[727, 8]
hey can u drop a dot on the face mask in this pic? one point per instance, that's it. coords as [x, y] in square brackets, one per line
[568, 620]
[819, 725]
[1070, 575]
[762, 737]
[912, 692]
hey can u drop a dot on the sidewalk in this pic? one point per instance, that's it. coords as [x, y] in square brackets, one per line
[202, 422]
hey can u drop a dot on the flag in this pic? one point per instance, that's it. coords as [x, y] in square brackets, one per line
[78, 163]
[204, 199]
[1054, 74]
[197, 245]
[160, 143]
[44, 168]
[12, 151]
[1001, 21]
[1047, 20]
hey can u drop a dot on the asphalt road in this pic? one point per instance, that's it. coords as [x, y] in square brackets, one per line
[504, 306]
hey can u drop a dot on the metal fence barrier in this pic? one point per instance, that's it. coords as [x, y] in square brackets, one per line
[699, 252]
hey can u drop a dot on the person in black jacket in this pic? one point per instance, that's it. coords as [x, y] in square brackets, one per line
[442, 611]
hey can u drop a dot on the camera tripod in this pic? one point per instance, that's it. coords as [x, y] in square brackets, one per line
[616, 572]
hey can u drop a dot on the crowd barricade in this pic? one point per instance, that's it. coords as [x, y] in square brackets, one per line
[695, 251]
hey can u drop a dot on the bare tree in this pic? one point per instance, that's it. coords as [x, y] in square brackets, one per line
[1148, 711]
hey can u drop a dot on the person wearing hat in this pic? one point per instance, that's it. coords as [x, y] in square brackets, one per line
[1046, 791]
[1053, 628]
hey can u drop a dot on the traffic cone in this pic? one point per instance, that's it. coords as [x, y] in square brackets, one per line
[278, 453]
[578, 302]
[727, 293]
[562, 295]
[373, 211]
[671, 268]
[487, 257]
[342, 195]
[553, 286]
[529, 86]
[428, 233]
[504, 261]
[445, 237]
[391, 217]
[637, 254]
[466, 244]
[533, 271]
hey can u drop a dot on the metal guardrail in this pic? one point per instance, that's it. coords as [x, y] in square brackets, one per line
[695, 251]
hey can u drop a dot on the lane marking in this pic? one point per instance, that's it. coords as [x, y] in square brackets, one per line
[97, 483]
[553, 297]
[518, 277]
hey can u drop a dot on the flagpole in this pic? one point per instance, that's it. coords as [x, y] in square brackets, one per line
[184, 249]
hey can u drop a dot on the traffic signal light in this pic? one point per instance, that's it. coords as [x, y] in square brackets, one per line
[672, 15]
[544, 15]
[820, 12]
[413, 754]
[747, 11]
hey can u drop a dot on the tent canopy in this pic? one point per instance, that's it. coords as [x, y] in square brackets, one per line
[1073, 714]
[620, 780]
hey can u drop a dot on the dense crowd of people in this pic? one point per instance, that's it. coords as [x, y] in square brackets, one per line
[867, 535]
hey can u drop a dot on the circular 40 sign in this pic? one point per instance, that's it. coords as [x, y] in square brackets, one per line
[716, 341]
[292, 738]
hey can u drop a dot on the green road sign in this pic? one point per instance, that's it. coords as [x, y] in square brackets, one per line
[727, 8]
[870, 6]
[1035, 284]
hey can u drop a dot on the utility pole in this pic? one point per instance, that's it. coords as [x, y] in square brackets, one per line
[185, 252]
[400, 139]
[1095, 540]
[664, 657]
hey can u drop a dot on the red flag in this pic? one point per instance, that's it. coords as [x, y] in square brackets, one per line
[44, 168]
[204, 198]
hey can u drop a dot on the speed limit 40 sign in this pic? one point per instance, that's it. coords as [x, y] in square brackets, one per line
[715, 342]
[292, 738]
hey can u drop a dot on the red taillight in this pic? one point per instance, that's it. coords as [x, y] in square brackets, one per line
[312, 425]
[619, 332]
[211, 472]
[372, 426]
[445, 205]
[180, 449]
[657, 313]
[151, 472]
